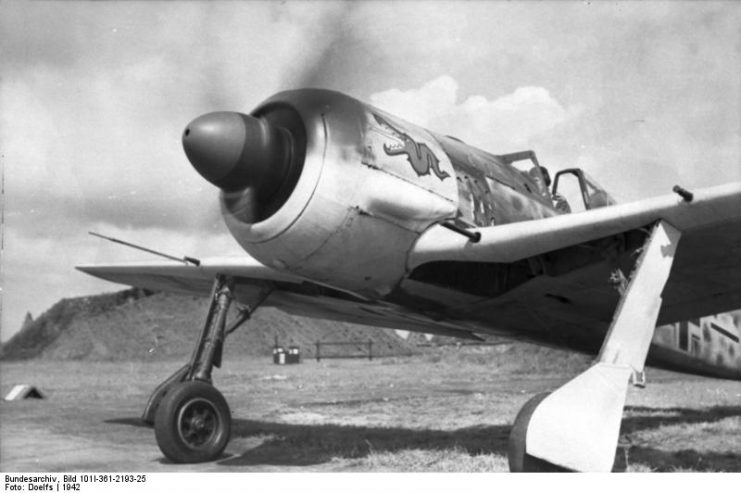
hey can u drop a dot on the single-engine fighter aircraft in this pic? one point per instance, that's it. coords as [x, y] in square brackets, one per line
[348, 213]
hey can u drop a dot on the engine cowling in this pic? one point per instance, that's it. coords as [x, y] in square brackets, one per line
[319, 184]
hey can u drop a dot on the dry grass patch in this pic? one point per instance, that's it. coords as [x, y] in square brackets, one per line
[448, 460]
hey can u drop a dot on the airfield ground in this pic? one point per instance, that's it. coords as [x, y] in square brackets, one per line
[446, 410]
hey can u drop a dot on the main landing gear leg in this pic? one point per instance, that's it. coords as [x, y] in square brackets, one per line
[577, 426]
[192, 421]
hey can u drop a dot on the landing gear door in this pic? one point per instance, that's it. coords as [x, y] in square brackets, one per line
[580, 191]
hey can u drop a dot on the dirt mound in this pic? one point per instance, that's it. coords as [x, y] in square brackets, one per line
[36, 335]
[138, 325]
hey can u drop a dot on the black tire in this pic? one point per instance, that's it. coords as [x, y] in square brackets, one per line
[192, 423]
[519, 460]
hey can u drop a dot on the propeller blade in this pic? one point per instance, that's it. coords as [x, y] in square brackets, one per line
[320, 68]
[244, 204]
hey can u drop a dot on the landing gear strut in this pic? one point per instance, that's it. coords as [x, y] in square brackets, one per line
[192, 421]
[576, 427]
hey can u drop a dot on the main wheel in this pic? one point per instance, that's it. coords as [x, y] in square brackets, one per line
[519, 460]
[193, 423]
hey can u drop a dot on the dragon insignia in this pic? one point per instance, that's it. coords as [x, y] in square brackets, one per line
[420, 156]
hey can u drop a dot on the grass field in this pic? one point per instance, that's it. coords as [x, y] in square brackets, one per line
[447, 410]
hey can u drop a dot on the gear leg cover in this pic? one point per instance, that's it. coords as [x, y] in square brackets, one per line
[577, 426]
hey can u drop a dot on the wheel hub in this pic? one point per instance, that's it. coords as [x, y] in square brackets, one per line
[197, 422]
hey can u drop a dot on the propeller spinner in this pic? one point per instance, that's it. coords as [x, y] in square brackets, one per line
[248, 158]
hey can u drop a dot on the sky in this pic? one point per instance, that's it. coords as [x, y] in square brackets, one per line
[94, 97]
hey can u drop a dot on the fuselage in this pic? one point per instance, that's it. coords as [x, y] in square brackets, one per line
[354, 188]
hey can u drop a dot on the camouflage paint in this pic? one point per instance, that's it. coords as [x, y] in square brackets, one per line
[491, 192]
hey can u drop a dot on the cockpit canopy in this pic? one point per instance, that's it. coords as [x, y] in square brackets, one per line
[578, 191]
[589, 192]
[536, 176]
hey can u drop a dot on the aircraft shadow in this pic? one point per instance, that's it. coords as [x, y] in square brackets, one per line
[304, 445]
[282, 444]
[128, 421]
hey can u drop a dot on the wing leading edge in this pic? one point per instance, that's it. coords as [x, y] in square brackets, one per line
[717, 207]
[185, 278]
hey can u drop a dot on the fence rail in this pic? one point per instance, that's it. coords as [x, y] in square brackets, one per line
[367, 344]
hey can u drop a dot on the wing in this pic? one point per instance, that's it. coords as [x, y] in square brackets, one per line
[291, 294]
[183, 278]
[705, 279]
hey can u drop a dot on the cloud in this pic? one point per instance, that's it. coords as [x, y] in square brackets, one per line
[633, 153]
[91, 122]
[94, 97]
[508, 123]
